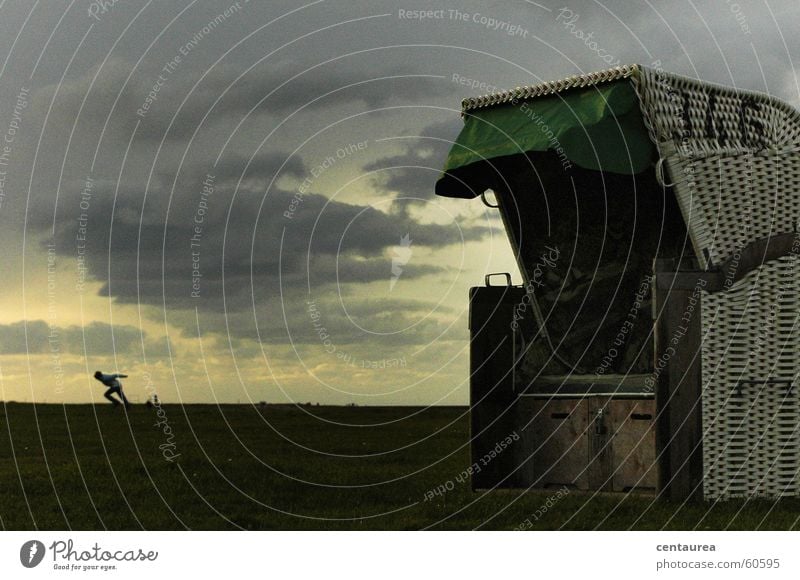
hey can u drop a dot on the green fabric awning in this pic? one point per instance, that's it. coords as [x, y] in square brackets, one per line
[598, 127]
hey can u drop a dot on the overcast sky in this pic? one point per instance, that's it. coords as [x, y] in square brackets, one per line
[233, 201]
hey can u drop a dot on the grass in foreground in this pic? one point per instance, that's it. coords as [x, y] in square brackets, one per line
[93, 467]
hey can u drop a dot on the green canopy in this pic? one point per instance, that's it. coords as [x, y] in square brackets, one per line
[597, 127]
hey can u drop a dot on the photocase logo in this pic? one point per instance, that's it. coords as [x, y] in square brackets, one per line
[31, 553]
[400, 256]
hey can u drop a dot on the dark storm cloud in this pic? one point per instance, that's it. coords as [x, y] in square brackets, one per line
[252, 229]
[175, 107]
[140, 248]
[411, 175]
[96, 338]
[262, 167]
[284, 87]
[222, 252]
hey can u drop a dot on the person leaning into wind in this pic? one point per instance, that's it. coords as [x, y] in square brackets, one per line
[114, 386]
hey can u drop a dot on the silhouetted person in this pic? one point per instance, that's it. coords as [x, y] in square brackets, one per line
[114, 386]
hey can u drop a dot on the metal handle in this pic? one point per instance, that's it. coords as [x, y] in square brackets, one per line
[659, 170]
[486, 203]
[599, 422]
[487, 280]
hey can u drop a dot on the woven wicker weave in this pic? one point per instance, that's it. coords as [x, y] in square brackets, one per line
[732, 157]
[751, 443]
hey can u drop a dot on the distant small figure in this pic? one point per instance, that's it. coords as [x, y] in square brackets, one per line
[114, 386]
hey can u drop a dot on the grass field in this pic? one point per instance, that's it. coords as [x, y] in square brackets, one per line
[275, 467]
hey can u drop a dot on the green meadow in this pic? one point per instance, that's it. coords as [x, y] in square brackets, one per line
[207, 467]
